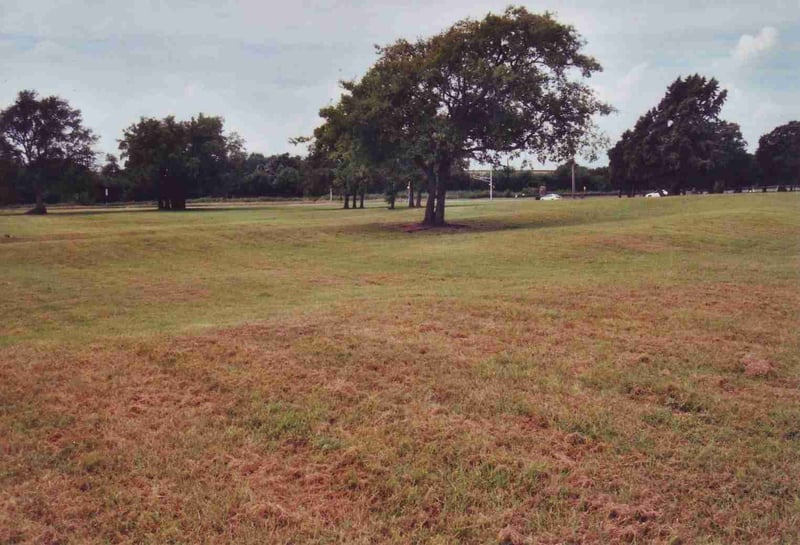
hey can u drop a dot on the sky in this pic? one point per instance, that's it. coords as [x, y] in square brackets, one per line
[268, 67]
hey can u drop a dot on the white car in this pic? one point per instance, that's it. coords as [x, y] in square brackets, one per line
[551, 197]
[659, 193]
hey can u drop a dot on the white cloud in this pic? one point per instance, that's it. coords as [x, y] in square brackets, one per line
[750, 47]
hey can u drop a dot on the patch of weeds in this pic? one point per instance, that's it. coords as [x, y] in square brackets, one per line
[92, 462]
[326, 443]
[683, 401]
[593, 425]
[785, 422]
[276, 420]
[601, 376]
[491, 476]
[514, 404]
[639, 441]
[170, 361]
[534, 476]
[658, 418]
[31, 419]
[74, 458]
[233, 434]
[505, 366]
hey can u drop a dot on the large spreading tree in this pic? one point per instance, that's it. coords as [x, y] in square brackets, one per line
[45, 137]
[778, 154]
[681, 142]
[505, 85]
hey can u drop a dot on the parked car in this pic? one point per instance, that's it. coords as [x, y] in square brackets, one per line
[659, 193]
[551, 197]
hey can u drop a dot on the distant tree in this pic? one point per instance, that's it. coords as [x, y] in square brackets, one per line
[254, 179]
[111, 168]
[593, 179]
[234, 165]
[281, 175]
[46, 138]
[732, 166]
[111, 180]
[404, 174]
[778, 154]
[156, 161]
[8, 164]
[633, 160]
[688, 128]
[681, 142]
[562, 177]
[334, 144]
[9, 172]
[479, 90]
[210, 154]
[288, 181]
[317, 169]
[316, 180]
[598, 179]
[391, 188]
[172, 160]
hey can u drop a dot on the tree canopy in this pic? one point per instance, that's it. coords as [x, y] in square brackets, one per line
[505, 85]
[173, 160]
[680, 142]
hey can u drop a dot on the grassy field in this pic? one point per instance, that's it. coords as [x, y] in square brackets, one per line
[566, 372]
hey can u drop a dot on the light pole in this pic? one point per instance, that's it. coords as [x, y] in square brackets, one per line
[508, 174]
[573, 177]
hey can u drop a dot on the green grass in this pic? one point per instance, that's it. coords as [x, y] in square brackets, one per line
[79, 277]
[557, 372]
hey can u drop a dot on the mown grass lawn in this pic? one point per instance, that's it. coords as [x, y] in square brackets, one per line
[606, 370]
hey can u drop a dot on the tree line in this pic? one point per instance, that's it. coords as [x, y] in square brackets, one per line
[508, 86]
[46, 156]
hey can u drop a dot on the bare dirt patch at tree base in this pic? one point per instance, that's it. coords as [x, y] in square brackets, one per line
[447, 227]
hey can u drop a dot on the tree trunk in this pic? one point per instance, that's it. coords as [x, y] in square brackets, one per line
[411, 194]
[346, 200]
[442, 177]
[39, 208]
[440, 198]
[430, 217]
[361, 201]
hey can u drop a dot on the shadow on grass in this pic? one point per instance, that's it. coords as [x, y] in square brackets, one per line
[56, 212]
[462, 227]
[324, 206]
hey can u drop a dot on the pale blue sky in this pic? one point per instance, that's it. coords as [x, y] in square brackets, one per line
[268, 67]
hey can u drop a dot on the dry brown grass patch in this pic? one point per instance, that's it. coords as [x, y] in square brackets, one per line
[391, 423]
